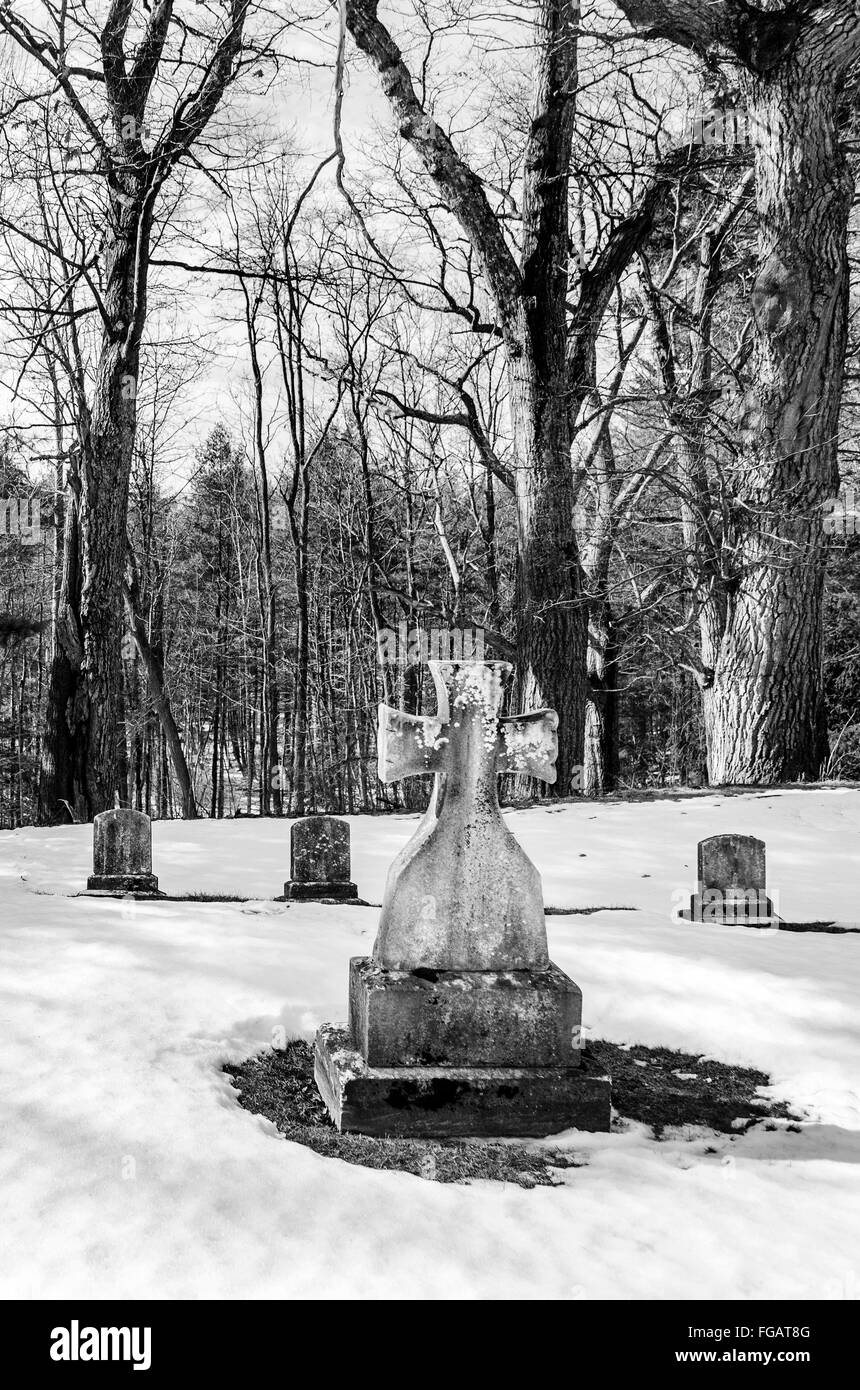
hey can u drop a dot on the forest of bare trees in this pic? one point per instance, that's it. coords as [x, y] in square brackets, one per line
[337, 336]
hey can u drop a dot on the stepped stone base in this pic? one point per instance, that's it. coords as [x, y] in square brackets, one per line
[756, 911]
[117, 885]
[447, 1101]
[313, 892]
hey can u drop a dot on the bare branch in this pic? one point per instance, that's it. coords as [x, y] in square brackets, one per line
[458, 184]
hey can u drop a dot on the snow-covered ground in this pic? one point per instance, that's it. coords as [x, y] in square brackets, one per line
[128, 1170]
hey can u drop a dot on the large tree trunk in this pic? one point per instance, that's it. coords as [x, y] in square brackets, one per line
[551, 616]
[764, 717]
[763, 712]
[270, 789]
[85, 759]
[60, 771]
[299, 768]
[94, 713]
[298, 512]
[763, 708]
[154, 665]
[600, 760]
[600, 756]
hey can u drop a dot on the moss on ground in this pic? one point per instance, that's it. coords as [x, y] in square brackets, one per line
[667, 1089]
[280, 1085]
[646, 1086]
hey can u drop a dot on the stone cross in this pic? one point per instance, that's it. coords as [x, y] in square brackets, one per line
[731, 881]
[462, 894]
[460, 1024]
[122, 854]
[319, 860]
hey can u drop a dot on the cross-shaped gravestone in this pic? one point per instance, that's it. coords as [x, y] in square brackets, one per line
[122, 854]
[460, 1023]
[732, 882]
[462, 894]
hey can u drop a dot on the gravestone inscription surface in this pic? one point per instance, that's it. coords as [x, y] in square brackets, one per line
[732, 882]
[319, 860]
[122, 854]
[459, 1023]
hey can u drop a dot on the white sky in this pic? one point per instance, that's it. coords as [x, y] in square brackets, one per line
[299, 104]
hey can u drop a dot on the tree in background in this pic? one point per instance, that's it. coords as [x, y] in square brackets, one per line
[116, 90]
[763, 703]
[548, 332]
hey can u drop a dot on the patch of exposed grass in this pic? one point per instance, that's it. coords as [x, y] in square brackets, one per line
[654, 1085]
[276, 898]
[209, 898]
[586, 911]
[280, 1085]
[829, 927]
[663, 1088]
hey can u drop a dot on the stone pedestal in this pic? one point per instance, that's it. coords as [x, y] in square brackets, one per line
[122, 855]
[478, 1018]
[320, 861]
[434, 1053]
[449, 1102]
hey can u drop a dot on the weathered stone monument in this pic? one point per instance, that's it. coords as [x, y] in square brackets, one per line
[732, 884]
[122, 854]
[319, 860]
[460, 1024]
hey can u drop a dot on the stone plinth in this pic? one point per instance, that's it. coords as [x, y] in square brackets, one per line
[320, 892]
[442, 1102]
[122, 854]
[513, 1018]
[319, 861]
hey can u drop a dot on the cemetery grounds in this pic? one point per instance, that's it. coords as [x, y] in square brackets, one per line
[128, 1169]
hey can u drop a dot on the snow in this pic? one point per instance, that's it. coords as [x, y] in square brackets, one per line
[128, 1170]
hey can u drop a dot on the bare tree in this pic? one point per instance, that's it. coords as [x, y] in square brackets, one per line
[548, 341]
[125, 94]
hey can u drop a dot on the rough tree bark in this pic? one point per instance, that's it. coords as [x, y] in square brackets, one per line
[59, 770]
[600, 760]
[763, 699]
[551, 619]
[270, 789]
[154, 667]
[298, 512]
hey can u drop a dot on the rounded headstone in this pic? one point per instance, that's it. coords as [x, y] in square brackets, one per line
[319, 859]
[122, 853]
